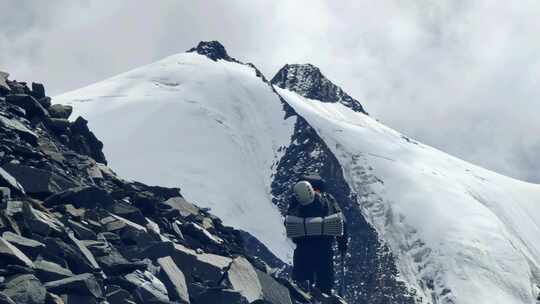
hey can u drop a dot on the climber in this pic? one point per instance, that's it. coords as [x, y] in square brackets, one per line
[313, 221]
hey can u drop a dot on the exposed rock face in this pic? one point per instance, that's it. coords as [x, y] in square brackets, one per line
[82, 234]
[308, 81]
[213, 50]
[371, 272]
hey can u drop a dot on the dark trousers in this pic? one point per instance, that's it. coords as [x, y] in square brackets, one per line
[316, 265]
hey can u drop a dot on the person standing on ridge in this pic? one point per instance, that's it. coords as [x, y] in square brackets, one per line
[313, 221]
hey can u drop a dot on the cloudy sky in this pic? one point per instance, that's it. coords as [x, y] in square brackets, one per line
[462, 76]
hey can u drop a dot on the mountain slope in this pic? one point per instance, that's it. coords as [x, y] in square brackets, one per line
[426, 227]
[462, 234]
[213, 127]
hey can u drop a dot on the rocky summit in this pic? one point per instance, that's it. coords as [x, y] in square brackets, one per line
[73, 231]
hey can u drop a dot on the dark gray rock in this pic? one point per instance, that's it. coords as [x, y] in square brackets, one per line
[4, 87]
[41, 222]
[77, 261]
[48, 271]
[222, 296]
[273, 292]
[213, 50]
[29, 104]
[201, 234]
[5, 195]
[83, 141]
[113, 263]
[84, 285]
[81, 231]
[29, 247]
[60, 111]
[209, 266]
[7, 180]
[5, 299]
[129, 212]
[148, 288]
[174, 280]
[81, 197]
[25, 289]
[37, 181]
[45, 102]
[38, 90]
[78, 299]
[19, 128]
[58, 125]
[117, 295]
[83, 250]
[11, 255]
[178, 206]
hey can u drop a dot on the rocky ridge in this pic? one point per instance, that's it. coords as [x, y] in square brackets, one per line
[73, 231]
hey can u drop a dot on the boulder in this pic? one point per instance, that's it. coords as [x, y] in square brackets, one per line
[40, 222]
[83, 250]
[201, 234]
[24, 133]
[81, 231]
[11, 255]
[48, 271]
[77, 261]
[29, 247]
[8, 181]
[4, 87]
[273, 292]
[25, 289]
[178, 206]
[129, 212]
[206, 266]
[5, 194]
[174, 280]
[147, 288]
[28, 103]
[222, 296]
[37, 181]
[58, 125]
[117, 295]
[83, 141]
[38, 90]
[45, 102]
[78, 299]
[5, 299]
[113, 263]
[244, 279]
[83, 285]
[60, 111]
[81, 197]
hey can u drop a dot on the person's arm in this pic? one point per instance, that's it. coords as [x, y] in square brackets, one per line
[344, 239]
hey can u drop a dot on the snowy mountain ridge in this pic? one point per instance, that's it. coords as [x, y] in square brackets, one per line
[451, 231]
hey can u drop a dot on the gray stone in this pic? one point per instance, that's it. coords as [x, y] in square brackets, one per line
[28, 103]
[178, 205]
[81, 197]
[83, 250]
[25, 289]
[221, 296]
[29, 247]
[37, 181]
[78, 299]
[211, 267]
[58, 125]
[48, 271]
[84, 285]
[3, 82]
[40, 222]
[273, 292]
[14, 208]
[244, 279]
[11, 255]
[129, 212]
[5, 194]
[148, 288]
[45, 102]
[7, 180]
[17, 127]
[82, 232]
[5, 299]
[38, 90]
[117, 295]
[201, 234]
[76, 260]
[60, 111]
[174, 280]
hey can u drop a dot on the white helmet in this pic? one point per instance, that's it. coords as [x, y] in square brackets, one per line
[304, 193]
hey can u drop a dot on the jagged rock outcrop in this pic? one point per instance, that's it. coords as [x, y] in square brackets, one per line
[82, 234]
[213, 50]
[308, 81]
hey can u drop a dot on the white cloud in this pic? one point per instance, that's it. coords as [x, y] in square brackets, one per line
[462, 76]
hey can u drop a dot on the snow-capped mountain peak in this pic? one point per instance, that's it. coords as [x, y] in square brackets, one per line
[213, 50]
[308, 81]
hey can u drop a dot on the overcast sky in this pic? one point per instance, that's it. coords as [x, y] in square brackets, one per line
[462, 76]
